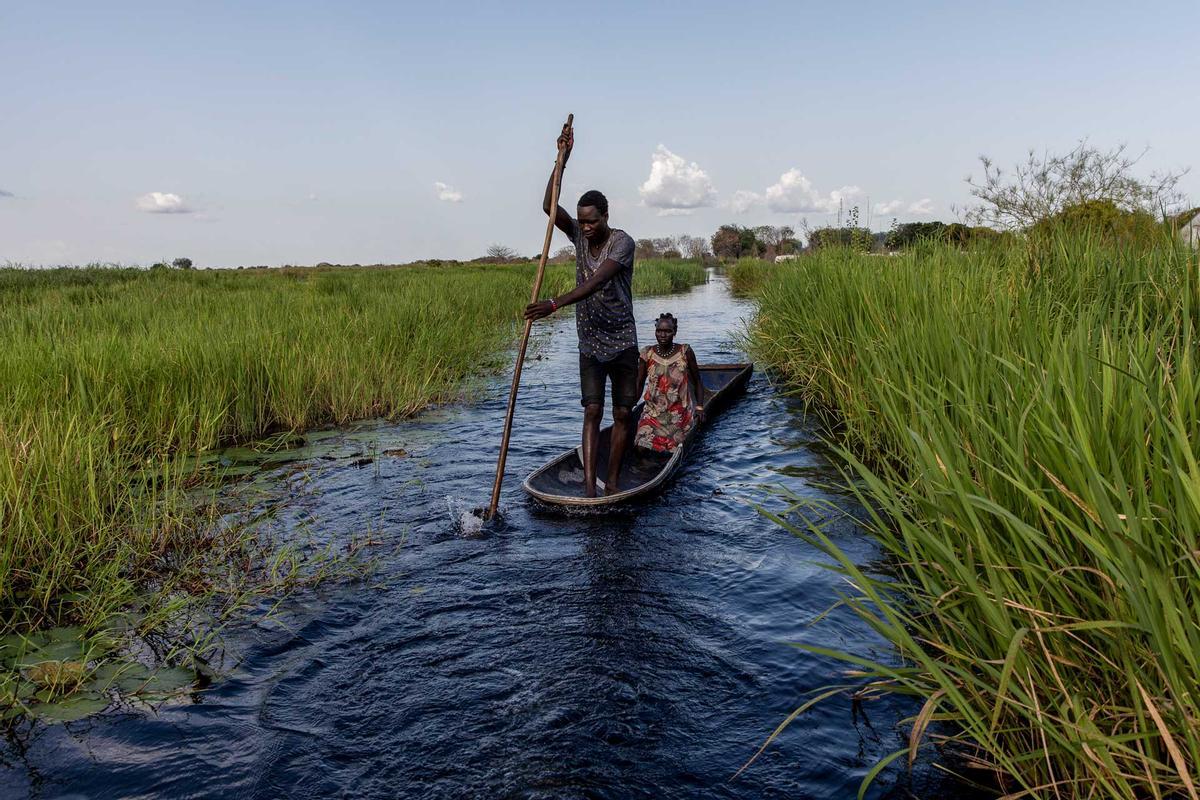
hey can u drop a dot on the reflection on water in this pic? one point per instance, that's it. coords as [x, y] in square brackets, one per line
[642, 655]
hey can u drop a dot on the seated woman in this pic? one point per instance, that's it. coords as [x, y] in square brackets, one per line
[674, 391]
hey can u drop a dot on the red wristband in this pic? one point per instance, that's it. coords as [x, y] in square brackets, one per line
[553, 305]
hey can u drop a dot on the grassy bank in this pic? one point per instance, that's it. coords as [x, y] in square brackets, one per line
[111, 375]
[747, 275]
[1023, 422]
[662, 276]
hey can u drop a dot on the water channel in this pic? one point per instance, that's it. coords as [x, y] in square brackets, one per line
[646, 654]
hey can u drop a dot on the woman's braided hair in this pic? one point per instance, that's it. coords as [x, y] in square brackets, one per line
[671, 317]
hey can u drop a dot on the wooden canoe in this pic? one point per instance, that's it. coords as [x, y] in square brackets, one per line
[643, 473]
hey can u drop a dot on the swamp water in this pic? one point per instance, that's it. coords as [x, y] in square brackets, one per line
[640, 655]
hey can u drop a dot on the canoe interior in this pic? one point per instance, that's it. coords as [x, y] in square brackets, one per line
[561, 480]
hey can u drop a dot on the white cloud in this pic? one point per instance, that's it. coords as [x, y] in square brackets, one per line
[922, 207]
[890, 207]
[743, 200]
[162, 203]
[795, 193]
[447, 193]
[676, 184]
[675, 212]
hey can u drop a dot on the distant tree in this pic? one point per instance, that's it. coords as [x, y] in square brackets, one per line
[664, 243]
[748, 242]
[787, 240]
[161, 265]
[644, 248]
[499, 252]
[563, 255]
[859, 239]
[727, 241]
[908, 234]
[182, 263]
[1101, 217]
[674, 254]
[851, 235]
[768, 235]
[695, 247]
[901, 237]
[1046, 185]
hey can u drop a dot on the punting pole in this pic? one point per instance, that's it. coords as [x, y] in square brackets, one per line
[533, 298]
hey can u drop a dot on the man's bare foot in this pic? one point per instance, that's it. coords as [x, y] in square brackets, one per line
[611, 487]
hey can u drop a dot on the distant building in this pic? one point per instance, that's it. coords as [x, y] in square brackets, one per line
[1189, 231]
[785, 258]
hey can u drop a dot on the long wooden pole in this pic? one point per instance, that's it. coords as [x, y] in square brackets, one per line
[533, 298]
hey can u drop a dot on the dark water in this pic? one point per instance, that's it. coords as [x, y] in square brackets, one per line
[640, 656]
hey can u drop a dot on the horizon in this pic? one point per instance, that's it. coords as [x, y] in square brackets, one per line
[298, 134]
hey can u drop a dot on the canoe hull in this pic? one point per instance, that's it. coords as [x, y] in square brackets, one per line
[559, 483]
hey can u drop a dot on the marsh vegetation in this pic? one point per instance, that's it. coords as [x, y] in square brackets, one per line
[118, 381]
[1021, 419]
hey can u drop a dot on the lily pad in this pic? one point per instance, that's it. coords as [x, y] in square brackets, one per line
[132, 678]
[70, 709]
[63, 650]
[320, 436]
[14, 688]
[120, 674]
[239, 455]
[123, 622]
[166, 681]
[238, 470]
[61, 676]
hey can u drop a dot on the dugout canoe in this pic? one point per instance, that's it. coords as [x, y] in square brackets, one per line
[643, 474]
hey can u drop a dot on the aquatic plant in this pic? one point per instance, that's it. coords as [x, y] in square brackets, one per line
[1021, 423]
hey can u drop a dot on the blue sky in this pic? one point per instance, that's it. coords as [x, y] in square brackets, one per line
[298, 132]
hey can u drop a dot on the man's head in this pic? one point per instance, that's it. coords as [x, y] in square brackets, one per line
[593, 215]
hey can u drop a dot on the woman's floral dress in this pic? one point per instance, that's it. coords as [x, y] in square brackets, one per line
[670, 409]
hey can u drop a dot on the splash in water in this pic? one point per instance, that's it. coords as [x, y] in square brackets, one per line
[468, 521]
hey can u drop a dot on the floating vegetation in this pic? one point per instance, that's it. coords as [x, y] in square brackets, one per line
[62, 674]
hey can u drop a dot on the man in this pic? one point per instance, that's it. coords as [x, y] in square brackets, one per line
[608, 346]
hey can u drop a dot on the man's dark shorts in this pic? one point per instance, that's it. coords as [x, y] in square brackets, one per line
[622, 370]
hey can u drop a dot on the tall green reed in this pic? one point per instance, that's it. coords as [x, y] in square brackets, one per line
[1021, 421]
[111, 374]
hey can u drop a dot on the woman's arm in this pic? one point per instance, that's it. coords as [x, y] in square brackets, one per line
[641, 378]
[693, 368]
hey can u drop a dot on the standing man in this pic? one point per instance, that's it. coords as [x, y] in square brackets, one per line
[608, 346]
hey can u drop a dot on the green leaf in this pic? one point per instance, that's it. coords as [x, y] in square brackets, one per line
[68, 710]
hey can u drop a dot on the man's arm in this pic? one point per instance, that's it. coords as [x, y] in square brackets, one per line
[544, 308]
[562, 219]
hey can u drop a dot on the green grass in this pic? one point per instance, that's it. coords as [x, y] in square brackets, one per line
[747, 275]
[111, 375]
[1023, 424]
[663, 276]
